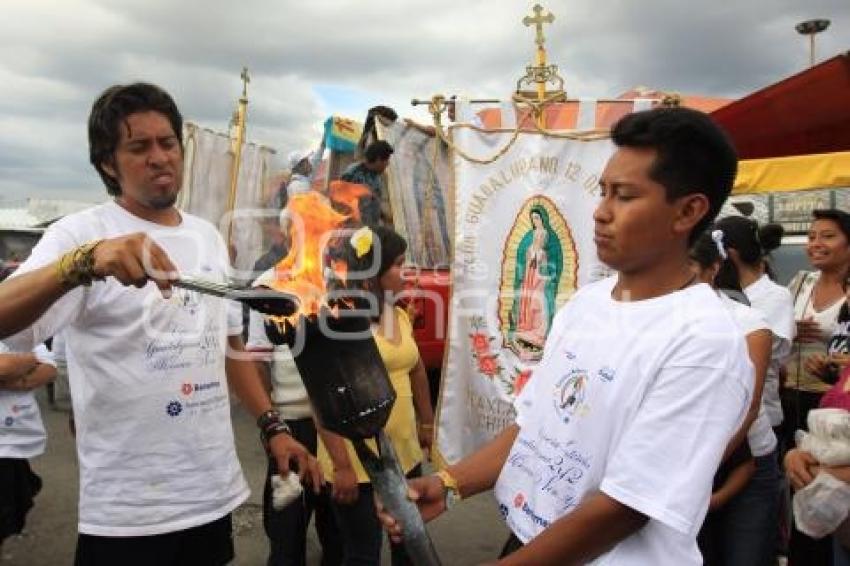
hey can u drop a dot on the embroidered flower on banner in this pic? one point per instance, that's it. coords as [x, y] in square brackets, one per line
[520, 378]
[489, 365]
[486, 360]
[480, 343]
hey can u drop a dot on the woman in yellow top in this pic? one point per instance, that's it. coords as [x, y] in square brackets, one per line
[352, 498]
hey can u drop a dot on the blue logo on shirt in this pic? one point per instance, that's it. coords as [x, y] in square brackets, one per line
[570, 393]
[606, 374]
[174, 408]
[9, 421]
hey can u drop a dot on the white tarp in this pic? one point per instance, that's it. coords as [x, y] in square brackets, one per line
[206, 186]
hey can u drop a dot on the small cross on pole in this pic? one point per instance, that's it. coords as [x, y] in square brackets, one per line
[246, 78]
[538, 20]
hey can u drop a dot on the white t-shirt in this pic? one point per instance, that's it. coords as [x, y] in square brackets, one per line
[148, 385]
[760, 437]
[22, 433]
[802, 286]
[637, 400]
[776, 305]
[288, 394]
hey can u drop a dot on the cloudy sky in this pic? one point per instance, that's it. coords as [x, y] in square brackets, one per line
[312, 58]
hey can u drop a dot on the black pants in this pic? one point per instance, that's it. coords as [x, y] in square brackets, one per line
[511, 545]
[287, 528]
[802, 549]
[361, 531]
[18, 487]
[205, 545]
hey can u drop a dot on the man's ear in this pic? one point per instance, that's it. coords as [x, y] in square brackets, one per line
[109, 169]
[691, 210]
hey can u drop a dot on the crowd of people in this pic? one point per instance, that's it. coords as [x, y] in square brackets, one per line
[662, 426]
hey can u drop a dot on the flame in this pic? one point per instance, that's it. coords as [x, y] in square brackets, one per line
[348, 195]
[312, 219]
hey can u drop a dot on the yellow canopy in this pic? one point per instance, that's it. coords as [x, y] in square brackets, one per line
[795, 173]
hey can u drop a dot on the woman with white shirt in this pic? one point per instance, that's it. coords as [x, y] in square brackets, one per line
[747, 246]
[818, 297]
[740, 528]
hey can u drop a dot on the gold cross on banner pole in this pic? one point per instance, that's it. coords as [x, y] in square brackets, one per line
[538, 20]
[540, 76]
[246, 78]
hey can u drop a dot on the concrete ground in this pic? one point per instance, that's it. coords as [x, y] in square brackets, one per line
[471, 533]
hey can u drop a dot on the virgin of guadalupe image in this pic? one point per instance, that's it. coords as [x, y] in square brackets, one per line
[539, 265]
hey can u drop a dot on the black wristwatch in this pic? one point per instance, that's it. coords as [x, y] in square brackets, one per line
[267, 419]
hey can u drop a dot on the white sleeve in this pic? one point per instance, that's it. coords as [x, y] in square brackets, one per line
[235, 323]
[779, 313]
[664, 462]
[257, 338]
[55, 242]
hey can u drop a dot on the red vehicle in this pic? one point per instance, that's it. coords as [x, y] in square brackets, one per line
[428, 306]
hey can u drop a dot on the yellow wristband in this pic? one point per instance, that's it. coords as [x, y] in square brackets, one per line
[449, 481]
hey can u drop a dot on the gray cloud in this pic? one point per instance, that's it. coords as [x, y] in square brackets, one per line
[55, 57]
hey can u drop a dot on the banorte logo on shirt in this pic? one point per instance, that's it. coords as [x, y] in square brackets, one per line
[519, 499]
[521, 504]
[188, 388]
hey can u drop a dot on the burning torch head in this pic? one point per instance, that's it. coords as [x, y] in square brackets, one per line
[330, 334]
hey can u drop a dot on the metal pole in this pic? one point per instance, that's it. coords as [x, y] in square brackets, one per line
[239, 125]
[811, 50]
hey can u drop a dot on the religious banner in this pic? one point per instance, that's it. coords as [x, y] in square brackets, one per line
[206, 186]
[522, 245]
[417, 181]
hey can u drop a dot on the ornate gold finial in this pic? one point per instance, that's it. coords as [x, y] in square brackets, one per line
[246, 78]
[671, 99]
[538, 20]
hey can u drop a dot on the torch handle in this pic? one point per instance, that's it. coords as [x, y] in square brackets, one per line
[389, 483]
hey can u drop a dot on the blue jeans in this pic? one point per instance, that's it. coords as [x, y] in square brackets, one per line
[752, 517]
[840, 554]
[743, 532]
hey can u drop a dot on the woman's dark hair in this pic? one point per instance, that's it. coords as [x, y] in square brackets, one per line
[751, 242]
[705, 252]
[694, 155]
[387, 246]
[111, 109]
[391, 244]
[841, 218]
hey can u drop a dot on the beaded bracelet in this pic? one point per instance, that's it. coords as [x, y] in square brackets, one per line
[77, 266]
[273, 430]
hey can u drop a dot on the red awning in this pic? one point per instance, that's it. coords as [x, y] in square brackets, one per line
[806, 113]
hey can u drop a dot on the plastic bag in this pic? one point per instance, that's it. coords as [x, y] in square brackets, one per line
[821, 506]
[828, 439]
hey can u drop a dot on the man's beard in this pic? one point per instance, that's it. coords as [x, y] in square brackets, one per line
[162, 202]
